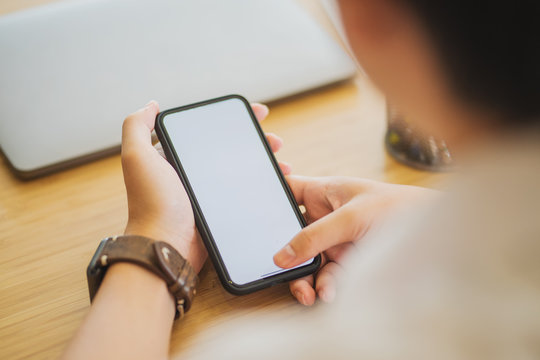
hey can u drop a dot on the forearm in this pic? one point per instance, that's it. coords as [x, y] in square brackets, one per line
[131, 317]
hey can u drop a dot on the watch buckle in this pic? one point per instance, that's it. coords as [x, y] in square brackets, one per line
[180, 308]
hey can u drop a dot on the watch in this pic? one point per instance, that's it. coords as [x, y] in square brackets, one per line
[155, 256]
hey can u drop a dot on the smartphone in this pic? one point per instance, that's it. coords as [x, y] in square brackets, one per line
[243, 206]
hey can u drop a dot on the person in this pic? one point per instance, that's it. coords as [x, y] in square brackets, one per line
[411, 273]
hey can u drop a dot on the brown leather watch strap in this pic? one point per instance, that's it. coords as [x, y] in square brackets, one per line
[155, 256]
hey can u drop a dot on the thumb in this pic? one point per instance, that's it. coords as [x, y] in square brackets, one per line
[299, 184]
[335, 228]
[137, 128]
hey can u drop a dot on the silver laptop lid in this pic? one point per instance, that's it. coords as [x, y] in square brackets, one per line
[71, 71]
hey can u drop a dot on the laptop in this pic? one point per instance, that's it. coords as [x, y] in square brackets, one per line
[71, 71]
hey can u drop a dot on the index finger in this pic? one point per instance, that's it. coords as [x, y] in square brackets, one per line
[338, 227]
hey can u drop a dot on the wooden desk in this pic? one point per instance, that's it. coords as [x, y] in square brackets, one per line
[50, 227]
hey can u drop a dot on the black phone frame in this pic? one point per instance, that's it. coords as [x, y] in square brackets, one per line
[200, 221]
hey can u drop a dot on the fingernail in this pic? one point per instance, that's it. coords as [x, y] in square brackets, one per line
[151, 102]
[300, 297]
[327, 295]
[285, 256]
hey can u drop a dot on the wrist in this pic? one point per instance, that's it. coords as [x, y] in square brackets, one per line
[158, 231]
[137, 300]
[157, 257]
[144, 289]
[187, 243]
[132, 305]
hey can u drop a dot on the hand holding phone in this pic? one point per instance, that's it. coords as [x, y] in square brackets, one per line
[158, 204]
[243, 207]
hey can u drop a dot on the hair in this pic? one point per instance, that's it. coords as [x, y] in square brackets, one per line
[490, 51]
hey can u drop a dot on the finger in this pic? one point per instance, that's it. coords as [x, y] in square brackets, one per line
[275, 141]
[302, 290]
[298, 184]
[286, 169]
[260, 110]
[326, 281]
[338, 227]
[137, 128]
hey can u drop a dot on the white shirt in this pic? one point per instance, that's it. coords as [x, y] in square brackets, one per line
[459, 279]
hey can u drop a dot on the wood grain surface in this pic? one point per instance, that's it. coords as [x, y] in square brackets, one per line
[50, 227]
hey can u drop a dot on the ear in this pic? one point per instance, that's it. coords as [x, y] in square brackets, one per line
[394, 49]
[372, 22]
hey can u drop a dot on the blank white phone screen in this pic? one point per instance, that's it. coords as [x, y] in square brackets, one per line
[239, 193]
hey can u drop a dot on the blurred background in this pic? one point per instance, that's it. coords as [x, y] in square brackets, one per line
[72, 70]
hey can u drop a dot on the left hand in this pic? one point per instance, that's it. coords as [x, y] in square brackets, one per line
[159, 207]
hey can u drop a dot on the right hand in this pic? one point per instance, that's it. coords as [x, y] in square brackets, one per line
[339, 211]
